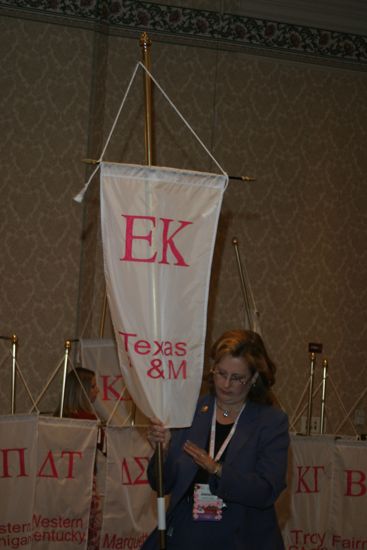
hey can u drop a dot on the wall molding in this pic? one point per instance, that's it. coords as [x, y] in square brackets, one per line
[220, 30]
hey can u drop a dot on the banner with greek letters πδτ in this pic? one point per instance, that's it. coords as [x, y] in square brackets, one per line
[158, 232]
[65, 469]
[18, 464]
[129, 506]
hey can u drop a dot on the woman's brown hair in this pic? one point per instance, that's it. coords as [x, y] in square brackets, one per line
[250, 346]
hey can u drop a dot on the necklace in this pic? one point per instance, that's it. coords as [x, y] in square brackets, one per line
[227, 412]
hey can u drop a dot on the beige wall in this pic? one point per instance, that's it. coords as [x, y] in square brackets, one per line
[299, 128]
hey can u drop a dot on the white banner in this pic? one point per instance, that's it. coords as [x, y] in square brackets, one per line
[158, 232]
[101, 357]
[129, 507]
[18, 468]
[66, 455]
[349, 506]
[309, 492]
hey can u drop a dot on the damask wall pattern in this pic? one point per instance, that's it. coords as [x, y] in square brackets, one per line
[298, 128]
[45, 77]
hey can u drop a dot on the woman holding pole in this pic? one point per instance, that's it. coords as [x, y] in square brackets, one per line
[225, 472]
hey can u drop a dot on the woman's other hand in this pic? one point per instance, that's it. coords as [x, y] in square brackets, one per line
[201, 457]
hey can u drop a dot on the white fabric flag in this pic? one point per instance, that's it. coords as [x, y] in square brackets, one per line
[129, 512]
[158, 231]
[66, 454]
[18, 463]
[309, 493]
[349, 505]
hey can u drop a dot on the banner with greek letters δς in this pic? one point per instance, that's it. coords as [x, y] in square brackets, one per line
[65, 469]
[18, 464]
[129, 512]
[158, 232]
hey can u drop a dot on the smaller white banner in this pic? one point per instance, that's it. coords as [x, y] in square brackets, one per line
[65, 470]
[349, 505]
[306, 502]
[130, 504]
[18, 469]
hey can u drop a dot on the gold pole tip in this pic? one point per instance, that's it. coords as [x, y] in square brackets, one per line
[325, 363]
[14, 338]
[67, 344]
[145, 40]
[235, 241]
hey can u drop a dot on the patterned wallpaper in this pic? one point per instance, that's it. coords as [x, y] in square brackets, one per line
[299, 128]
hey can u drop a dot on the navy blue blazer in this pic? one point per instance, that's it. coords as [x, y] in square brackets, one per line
[253, 473]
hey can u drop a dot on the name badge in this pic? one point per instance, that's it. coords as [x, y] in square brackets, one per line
[207, 507]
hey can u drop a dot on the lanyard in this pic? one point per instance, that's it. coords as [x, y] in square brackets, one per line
[227, 439]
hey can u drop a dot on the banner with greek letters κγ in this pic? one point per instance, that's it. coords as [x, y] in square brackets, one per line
[65, 469]
[158, 232]
[101, 357]
[130, 505]
[309, 492]
[18, 463]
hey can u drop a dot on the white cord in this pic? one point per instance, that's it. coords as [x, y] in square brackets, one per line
[79, 197]
[182, 118]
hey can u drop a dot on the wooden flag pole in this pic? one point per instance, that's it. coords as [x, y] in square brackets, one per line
[145, 44]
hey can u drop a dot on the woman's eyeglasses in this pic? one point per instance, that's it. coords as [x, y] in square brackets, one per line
[235, 378]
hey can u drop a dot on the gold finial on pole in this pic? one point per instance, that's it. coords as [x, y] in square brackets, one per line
[67, 344]
[145, 44]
